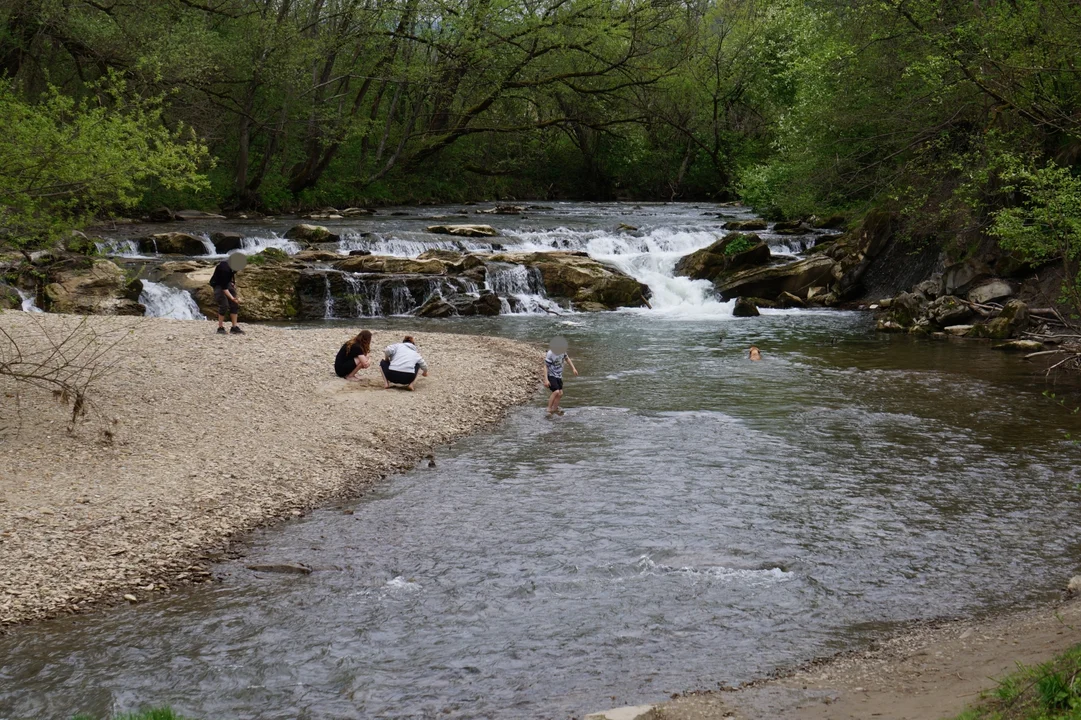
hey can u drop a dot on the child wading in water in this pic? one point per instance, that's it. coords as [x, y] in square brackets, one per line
[552, 375]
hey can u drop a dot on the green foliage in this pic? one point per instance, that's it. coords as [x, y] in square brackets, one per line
[151, 714]
[1049, 691]
[62, 160]
[1047, 224]
[269, 256]
[738, 244]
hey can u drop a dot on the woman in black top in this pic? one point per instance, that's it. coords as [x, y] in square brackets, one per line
[353, 356]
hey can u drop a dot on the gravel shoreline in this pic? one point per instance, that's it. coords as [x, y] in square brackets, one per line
[193, 438]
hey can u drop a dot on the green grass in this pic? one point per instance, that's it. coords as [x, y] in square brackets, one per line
[1049, 691]
[152, 714]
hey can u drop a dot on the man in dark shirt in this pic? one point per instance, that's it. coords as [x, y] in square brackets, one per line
[224, 283]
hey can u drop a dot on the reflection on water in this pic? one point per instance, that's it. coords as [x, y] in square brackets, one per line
[694, 519]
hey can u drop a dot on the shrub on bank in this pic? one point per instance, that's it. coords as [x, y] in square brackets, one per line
[1049, 691]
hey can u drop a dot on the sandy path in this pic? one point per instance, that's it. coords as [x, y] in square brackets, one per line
[212, 436]
[929, 674]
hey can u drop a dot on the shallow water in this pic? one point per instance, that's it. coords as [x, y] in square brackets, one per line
[694, 519]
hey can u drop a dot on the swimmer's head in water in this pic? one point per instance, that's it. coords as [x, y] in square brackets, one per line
[238, 261]
[754, 353]
[558, 345]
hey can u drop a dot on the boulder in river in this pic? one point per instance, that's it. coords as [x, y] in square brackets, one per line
[227, 242]
[734, 251]
[464, 230]
[172, 243]
[960, 277]
[267, 292]
[305, 233]
[994, 290]
[771, 282]
[582, 280]
[745, 307]
[1020, 346]
[93, 287]
[1010, 322]
[948, 310]
[746, 225]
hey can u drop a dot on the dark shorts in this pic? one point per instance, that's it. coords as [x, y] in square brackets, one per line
[555, 383]
[396, 377]
[225, 305]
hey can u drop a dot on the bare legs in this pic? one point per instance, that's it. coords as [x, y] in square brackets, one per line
[553, 402]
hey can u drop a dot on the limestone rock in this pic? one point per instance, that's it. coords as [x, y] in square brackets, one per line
[581, 279]
[267, 292]
[310, 234]
[745, 307]
[994, 290]
[960, 277]
[1010, 322]
[172, 243]
[721, 257]
[958, 330]
[317, 256]
[771, 282]
[464, 230]
[746, 225]
[196, 215]
[392, 265]
[790, 227]
[94, 287]
[436, 307]
[948, 310]
[1020, 346]
[907, 309]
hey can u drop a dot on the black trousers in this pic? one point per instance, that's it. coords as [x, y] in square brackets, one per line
[397, 377]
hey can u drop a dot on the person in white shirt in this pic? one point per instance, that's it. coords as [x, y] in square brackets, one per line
[402, 363]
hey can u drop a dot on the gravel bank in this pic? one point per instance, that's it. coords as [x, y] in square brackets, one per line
[211, 436]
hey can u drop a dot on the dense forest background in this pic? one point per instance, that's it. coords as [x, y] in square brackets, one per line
[961, 116]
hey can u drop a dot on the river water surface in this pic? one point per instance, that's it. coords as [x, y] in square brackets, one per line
[694, 519]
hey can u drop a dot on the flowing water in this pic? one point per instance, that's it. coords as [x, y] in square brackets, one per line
[694, 519]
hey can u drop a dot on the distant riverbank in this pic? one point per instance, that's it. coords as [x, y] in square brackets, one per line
[193, 438]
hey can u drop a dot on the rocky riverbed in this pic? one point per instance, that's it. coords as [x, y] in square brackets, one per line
[192, 438]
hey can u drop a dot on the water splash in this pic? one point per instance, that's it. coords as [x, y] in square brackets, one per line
[27, 303]
[119, 248]
[168, 302]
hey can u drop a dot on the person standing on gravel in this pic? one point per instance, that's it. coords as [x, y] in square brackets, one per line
[401, 363]
[224, 283]
[552, 374]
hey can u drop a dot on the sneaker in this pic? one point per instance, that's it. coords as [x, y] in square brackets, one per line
[221, 331]
[236, 330]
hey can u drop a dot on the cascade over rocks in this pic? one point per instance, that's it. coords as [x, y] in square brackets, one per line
[588, 283]
[718, 259]
[227, 242]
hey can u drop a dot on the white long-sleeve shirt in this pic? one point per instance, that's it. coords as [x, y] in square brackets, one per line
[405, 358]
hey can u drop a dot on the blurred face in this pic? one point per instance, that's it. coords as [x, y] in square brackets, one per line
[558, 345]
[238, 261]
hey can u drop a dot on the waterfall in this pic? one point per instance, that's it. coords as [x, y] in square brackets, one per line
[168, 302]
[328, 299]
[520, 288]
[405, 247]
[120, 248]
[208, 246]
[253, 245]
[28, 304]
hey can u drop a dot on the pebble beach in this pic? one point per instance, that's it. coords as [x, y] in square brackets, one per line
[192, 439]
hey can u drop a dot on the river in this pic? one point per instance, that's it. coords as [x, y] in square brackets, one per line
[694, 519]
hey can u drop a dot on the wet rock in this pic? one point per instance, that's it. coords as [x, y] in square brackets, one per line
[93, 287]
[448, 256]
[948, 310]
[1020, 346]
[286, 568]
[746, 225]
[392, 265]
[788, 300]
[9, 298]
[359, 253]
[504, 210]
[172, 243]
[960, 277]
[317, 256]
[488, 304]
[464, 230]
[1010, 322]
[745, 307]
[1074, 586]
[357, 212]
[907, 309]
[227, 242]
[771, 282]
[626, 228]
[582, 280]
[436, 307]
[994, 290]
[196, 215]
[310, 234]
[733, 252]
[790, 227]
[958, 330]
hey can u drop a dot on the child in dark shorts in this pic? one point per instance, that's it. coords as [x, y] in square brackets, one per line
[552, 374]
[224, 283]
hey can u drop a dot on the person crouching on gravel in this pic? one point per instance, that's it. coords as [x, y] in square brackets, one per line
[401, 363]
[353, 356]
[552, 374]
[224, 283]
